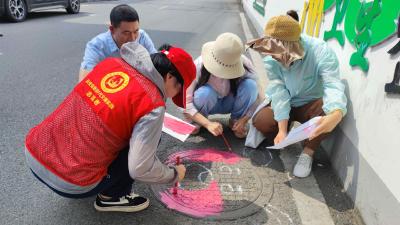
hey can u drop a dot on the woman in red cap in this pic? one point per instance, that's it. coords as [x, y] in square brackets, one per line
[105, 133]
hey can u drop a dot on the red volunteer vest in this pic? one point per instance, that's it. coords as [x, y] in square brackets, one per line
[79, 140]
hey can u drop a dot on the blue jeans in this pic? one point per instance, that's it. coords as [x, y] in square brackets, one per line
[207, 102]
[116, 183]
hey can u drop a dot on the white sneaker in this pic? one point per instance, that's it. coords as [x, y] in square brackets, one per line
[303, 166]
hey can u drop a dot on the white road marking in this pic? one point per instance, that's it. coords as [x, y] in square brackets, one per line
[163, 7]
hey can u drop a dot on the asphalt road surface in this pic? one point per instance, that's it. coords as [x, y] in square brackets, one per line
[39, 64]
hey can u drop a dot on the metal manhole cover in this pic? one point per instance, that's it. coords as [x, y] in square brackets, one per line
[218, 185]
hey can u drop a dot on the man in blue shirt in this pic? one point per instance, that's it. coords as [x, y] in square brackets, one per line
[124, 28]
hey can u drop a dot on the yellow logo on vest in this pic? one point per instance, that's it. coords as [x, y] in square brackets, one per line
[114, 82]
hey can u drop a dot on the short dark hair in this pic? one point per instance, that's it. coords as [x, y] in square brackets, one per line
[292, 13]
[123, 13]
[163, 65]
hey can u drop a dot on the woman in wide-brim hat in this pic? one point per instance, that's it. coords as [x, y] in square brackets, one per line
[304, 82]
[225, 84]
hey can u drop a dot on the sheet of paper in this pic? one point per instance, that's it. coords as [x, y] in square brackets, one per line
[176, 127]
[297, 134]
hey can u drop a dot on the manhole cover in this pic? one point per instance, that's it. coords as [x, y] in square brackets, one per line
[218, 185]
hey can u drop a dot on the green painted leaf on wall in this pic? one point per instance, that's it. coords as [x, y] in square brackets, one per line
[382, 27]
[328, 4]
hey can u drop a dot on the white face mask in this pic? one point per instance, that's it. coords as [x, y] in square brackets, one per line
[286, 52]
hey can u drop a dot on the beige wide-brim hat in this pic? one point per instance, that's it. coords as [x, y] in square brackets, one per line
[223, 57]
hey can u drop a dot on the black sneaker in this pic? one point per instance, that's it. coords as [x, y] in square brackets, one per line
[127, 203]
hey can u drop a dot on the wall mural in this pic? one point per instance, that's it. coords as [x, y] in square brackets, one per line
[259, 6]
[363, 39]
[393, 87]
[341, 7]
[365, 24]
[313, 13]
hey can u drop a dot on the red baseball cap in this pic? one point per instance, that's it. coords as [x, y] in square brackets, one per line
[185, 66]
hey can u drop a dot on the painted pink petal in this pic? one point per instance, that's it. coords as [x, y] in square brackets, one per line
[205, 155]
[198, 203]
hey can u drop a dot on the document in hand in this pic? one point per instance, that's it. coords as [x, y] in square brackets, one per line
[297, 134]
[176, 127]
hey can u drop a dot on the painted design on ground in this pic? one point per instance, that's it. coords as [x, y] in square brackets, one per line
[278, 215]
[206, 155]
[218, 185]
[199, 198]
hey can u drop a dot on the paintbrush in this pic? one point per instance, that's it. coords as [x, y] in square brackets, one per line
[175, 189]
[226, 142]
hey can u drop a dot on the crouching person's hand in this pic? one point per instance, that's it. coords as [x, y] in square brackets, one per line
[214, 128]
[327, 123]
[181, 169]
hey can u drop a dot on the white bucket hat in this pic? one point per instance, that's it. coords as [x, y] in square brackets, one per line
[223, 57]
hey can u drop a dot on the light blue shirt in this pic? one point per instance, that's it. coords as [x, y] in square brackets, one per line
[308, 79]
[103, 46]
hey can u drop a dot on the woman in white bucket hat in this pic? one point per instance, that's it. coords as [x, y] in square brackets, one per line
[225, 84]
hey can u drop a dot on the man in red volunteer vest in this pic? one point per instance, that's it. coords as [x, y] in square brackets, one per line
[105, 133]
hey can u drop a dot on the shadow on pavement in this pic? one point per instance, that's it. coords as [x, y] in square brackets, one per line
[338, 149]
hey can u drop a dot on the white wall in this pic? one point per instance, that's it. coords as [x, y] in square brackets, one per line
[365, 150]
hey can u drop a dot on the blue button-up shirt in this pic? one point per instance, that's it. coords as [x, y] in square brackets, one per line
[308, 79]
[103, 46]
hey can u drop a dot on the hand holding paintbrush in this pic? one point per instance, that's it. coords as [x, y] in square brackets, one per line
[181, 170]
